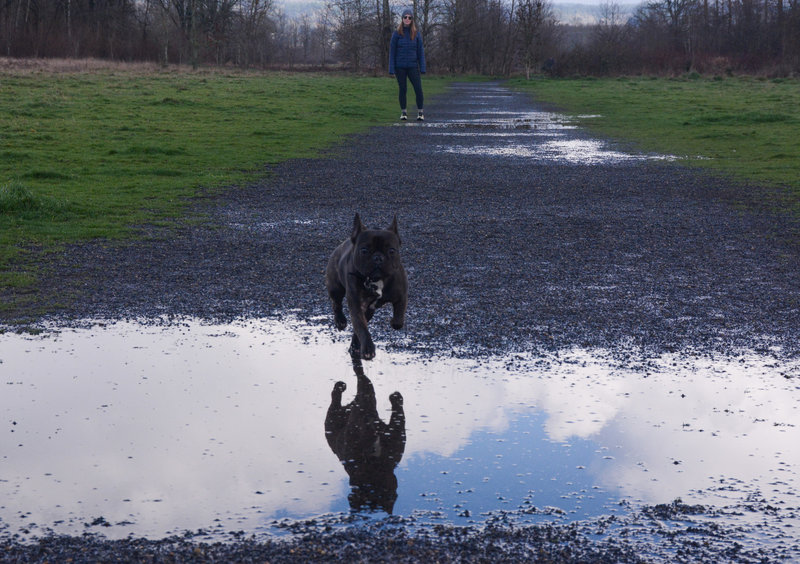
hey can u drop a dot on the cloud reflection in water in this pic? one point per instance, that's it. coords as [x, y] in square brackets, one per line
[169, 428]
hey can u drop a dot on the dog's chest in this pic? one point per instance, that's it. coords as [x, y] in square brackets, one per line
[375, 288]
[372, 299]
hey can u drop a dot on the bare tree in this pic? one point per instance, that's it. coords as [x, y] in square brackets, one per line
[354, 20]
[510, 40]
[383, 31]
[324, 33]
[251, 33]
[535, 22]
[609, 34]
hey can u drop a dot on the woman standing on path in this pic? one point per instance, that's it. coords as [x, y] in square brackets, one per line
[407, 61]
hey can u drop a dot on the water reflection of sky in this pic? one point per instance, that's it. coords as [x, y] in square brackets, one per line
[159, 429]
[481, 126]
[567, 151]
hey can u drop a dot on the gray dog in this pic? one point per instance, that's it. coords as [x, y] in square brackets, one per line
[366, 269]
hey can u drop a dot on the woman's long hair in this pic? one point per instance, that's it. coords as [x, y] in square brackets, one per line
[413, 28]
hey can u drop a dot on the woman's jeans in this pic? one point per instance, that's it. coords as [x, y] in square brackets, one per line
[413, 75]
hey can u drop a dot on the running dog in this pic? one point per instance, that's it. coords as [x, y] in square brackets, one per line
[367, 271]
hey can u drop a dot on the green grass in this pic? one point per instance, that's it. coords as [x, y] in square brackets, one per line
[87, 155]
[745, 127]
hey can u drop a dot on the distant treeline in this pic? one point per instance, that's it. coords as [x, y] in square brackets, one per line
[496, 37]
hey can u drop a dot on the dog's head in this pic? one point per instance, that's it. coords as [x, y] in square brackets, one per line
[376, 253]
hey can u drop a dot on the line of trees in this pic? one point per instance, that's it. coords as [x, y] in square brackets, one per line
[497, 37]
[710, 36]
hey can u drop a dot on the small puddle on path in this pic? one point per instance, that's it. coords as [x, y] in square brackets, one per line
[491, 120]
[145, 429]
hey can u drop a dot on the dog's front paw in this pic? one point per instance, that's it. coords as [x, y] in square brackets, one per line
[396, 399]
[368, 351]
[398, 322]
[340, 321]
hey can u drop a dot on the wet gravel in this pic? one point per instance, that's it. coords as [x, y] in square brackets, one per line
[664, 533]
[504, 253]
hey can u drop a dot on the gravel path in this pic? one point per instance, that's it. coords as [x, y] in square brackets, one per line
[509, 245]
[518, 234]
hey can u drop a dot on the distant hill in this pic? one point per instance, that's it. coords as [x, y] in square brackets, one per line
[294, 8]
[587, 14]
[573, 13]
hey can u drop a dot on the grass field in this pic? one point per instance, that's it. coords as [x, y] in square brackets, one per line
[746, 127]
[95, 154]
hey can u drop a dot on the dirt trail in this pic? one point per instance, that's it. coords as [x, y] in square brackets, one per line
[520, 232]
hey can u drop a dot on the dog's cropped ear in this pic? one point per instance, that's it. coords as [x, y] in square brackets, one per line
[358, 227]
[393, 227]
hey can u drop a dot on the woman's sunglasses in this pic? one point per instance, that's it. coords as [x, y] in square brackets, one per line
[407, 18]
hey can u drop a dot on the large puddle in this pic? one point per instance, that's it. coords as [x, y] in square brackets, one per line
[150, 429]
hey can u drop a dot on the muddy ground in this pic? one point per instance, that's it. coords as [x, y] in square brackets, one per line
[506, 251]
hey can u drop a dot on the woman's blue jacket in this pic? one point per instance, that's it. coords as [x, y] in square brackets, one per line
[405, 53]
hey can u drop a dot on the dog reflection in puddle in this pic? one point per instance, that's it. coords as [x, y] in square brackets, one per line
[368, 448]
